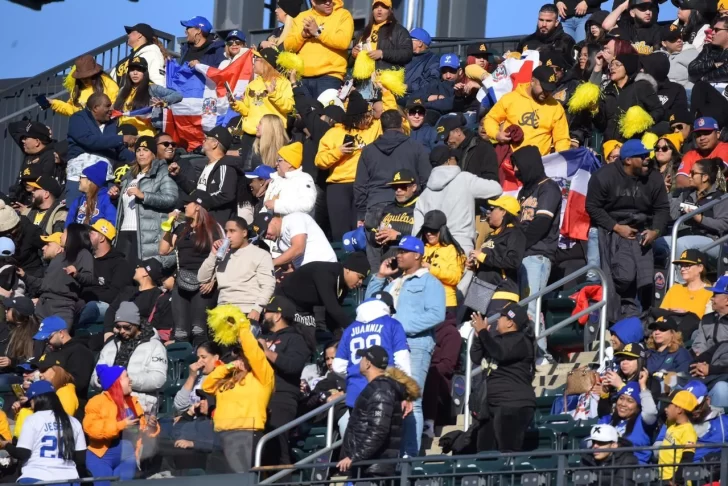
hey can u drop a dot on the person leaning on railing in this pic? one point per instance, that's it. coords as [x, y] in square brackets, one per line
[602, 439]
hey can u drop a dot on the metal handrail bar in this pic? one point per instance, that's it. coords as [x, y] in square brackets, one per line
[676, 228]
[304, 461]
[715, 243]
[537, 297]
[79, 480]
[30, 107]
[295, 423]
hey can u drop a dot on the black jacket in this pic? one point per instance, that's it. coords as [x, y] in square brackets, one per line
[503, 249]
[703, 67]
[28, 246]
[80, 362]
[375, 425]
[591, 6]
[556, 40]
[478, 156]
[310, 111]
[380, 161]
[399, 217]
[615, 102]
[112, 274]
[644, 38]
[446, 89]
[293, 354]
[608, 477]
[144, 300]
[395, 43]
[33, 167]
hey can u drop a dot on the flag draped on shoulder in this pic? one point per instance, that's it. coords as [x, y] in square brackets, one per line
[204, 102]
[509, 74]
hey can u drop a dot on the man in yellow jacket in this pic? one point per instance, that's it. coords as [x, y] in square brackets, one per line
[535, 111]
[321, 36]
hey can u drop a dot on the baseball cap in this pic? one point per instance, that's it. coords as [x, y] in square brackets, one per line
[40, 387]
[154, 268]
[38, 130]
[632, 350]
[52, 238]
[385, 297]
[127, 129]
[202, 198]
[450, 60]
[547, 77]
[412, 244]
[23, 305]
[633, 148]
[516, 313]
[664, 324]
[603, 433]
[721, 286]
[128, 312]
[631, 389]
[670, 33]
[282, 305]
[376, 355]
[403, 176]
[236, 34]
[270, 54]
[617, 33]
[683, 399]
[7, 246]
[357, 262]
[415, 103]
[441, 154]
[105, 228]
[705, 123]
[50, 360]
[634, 3]
[48, 326]
[698, 389]
[222, 135]
[480, 49]
[509, 203]
[260, 223]
[448, 124]
[46, 183]
[691, 256]
[355, 240]
[552, 58]
[139, 62]
[434, 219]
[421, 35]
[261, 172]
[144, 29]
[199, 22]
[330, 97]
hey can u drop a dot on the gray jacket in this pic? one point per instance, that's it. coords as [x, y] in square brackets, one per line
[160, 195]
[713, 330]
[679, 62]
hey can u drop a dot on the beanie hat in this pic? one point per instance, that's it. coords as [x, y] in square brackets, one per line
[676, 139]
[9, 219]
[656, 65]
[96, 173]
[609, 146]
[631, 63]
[357, 104]
[108, 375]
[128, 312]
[358, 263]
[631, 389]
[291, 7]
[292, 153]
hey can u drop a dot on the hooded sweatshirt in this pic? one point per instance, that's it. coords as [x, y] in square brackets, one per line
[325, 55]
[556, 40]
[391, 152]
[257, 102]
[672, 95]
[628, 330]
[454, 192]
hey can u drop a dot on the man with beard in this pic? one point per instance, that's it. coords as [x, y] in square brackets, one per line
[40, 157]
[639, 26]
[46, 211]
[477, 155]
[288, 352]
[628, 202]
[549, 34]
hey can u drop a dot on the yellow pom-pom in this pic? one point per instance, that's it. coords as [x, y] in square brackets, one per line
[363, 66]
[585, 96]
[70, 82]
[289, 61]
[225, 322]
[393, 81]
[649, 140]
[635, 121]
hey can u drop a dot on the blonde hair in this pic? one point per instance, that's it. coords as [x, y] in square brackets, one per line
[273, 137]
[675, 343]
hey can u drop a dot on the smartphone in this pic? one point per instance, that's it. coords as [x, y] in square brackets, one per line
[43, 102]
[18, 390]
[350, 139]
[393, 264]
[346, 89]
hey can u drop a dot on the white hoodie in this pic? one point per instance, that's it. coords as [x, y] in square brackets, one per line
[294, 193]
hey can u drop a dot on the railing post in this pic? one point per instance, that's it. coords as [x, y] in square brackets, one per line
[330, 427]
[603, 316]
[468, 379]
[724, 466]
[537, 320]
[561, 470]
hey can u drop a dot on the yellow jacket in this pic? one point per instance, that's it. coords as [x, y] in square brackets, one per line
[68, 108]
[255, 104]
[343, 166]
[544, 125]
[143, 125]
[20, 417]
[448, 266]
[69, 400]
[327, 54]
[5, 427]
[243, 407]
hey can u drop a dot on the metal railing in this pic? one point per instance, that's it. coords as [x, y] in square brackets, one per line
[676, 228]
[329, 406]
[601, 306]
[306, 460]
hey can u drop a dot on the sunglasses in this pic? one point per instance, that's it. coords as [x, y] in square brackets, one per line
[417, 113]
[678, 127]
[123, 328]
[662, 148]
[402, 187]
[167, 144]
[600, 443]
[235, 43]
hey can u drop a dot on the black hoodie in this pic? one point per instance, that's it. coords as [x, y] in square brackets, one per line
[392, 152]
[28, 246]
[112, 274]
[615, 101]
[310, 111]
[556, 40]
[672, 95]
[621, 476]
[646, 39]
[478, 156]
[540, 199]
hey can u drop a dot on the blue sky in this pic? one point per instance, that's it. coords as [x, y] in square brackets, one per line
[35, 41]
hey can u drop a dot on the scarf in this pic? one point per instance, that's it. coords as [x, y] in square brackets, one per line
[126, 348]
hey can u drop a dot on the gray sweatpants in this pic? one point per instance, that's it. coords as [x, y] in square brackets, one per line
[237, 445]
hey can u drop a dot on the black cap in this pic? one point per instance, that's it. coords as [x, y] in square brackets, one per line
[440, 155]
[357, 104]
[376, 355]
[434, 219]
[138, 62]
[282, 305]
[55, 358]
[202, 198]
[664, 324]
[681, 116]
[154, 268]
[448, 124]
[222, 135]
[617, 33]
[632, 350]
[704, 6]
[385, 297]
[415, 103]
[127, 129]
[478, 50]
[270, 54]
[357, 262]
[23, 305]
[403, 176]
[261, 222]
[692, 257]
[47, 183]
[552, 58]
[670, 33]
[634, 3]
[291, 7]
[144, 29]
[31, 173]
[146, 142]
[516, 313]
[547, 78]
[37, 130]
[334, 112]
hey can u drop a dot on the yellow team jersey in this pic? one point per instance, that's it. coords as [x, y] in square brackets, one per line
[681, 435]
[679, 297]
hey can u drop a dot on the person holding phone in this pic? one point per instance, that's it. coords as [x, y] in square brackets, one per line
[88, 77]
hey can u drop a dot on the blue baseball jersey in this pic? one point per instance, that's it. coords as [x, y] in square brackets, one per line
[384, 331]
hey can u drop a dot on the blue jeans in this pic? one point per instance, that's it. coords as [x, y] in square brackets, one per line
[533, 276]
[117, 461]
[719, 394]
[664, 243]
[92, 313]
[421, 349]
[592, 254]
[33, 481]
[318, 84]
[574, 26]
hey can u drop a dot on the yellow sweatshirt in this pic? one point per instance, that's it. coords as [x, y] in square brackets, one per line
[326, 54]
[448, 266]
[68, 108]
[257, 102]
[20, 417]
[544, 125]
[243, 407]
[143, 125]
[343, 166]
[69, 399]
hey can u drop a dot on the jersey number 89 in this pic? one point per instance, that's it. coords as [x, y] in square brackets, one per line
[358, 343]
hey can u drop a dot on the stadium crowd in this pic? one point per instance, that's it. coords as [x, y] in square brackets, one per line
[359, 160]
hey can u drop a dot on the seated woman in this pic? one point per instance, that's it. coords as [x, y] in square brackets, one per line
[16, 334]
[667, 353]
[631, 361]
[624, 332]
[692, 295]
[208, 357]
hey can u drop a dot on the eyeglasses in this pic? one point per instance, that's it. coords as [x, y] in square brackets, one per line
[235, 43]
[323, 2]
[167, 144]
[717, 29]
[685, 265]
[600, 443]
[400, 187]
[693, 173]
[122, 328]
[662, 148]
[679, 127]
[417, 113]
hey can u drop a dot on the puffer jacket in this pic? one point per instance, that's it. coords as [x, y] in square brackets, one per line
[294, 193]
[703, 67]
[155, 60]
[448, 266]
[395, 43]
[211, 53]
[422, 69]
[160, 195]
[713, 330]
[375, 426]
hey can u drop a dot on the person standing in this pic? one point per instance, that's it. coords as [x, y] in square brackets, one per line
[574, 16]
[200, 45]
[477, 155]
[549, 35]
[140, 38]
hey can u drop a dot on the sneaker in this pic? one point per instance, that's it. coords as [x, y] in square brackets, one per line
[428, 430]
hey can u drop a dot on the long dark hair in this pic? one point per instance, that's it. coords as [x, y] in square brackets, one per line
[391, 20]
[444, 238]
[211, 347]
[321, 364]
[640, 366]
[630, 421]
[97, 84]
[22, 330]
[354, 122]
[64, 429]
[77, 240]
[591, 38]
[141, 96]
[92, 196]
[713, 168]
[695, 22]
[206, 231]
[591, 53]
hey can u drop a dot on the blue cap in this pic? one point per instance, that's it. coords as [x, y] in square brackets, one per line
[633, 148]
[698, 389]
[40, 387]
[236, 34]
[200, 22]
[355, 240]
[631, 389]
[48, 326]
[705, 123]
[413, 244]
[260, 172]
[421, 35]
[450, 60]
[721, 286]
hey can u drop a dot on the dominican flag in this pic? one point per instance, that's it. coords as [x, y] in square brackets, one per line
[572, 170]
[204, 102]
[145, 112]
[509, 74]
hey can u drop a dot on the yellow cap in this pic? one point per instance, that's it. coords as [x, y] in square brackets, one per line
[685, 400]
[54, 238]
[387, 3]
[676, 138]
[105, 228]
[292, 153]
[509, 203]
[722, 5]
[609, 146]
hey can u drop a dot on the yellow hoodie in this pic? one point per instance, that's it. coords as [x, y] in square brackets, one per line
[448, 266]
[327, 54]
[243, 407]
[68, 108]
[143, 125]
[544, 125]
[256, 104]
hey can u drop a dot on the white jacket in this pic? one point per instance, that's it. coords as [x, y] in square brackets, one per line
[147, 369]
[156, 63]
[294, 193]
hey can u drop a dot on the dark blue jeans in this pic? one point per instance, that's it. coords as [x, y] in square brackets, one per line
[316, 85]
